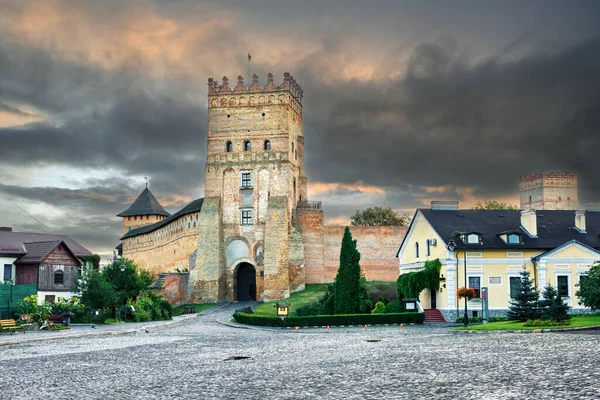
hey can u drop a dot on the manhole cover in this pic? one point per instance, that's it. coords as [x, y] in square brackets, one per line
[373, 340]
[236, 358]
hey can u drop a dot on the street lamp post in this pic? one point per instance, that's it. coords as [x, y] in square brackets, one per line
[451, 246]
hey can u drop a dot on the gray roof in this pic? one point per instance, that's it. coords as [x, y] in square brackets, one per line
[12, 243]
[145, 204]
[192, 207]
[37, 251]
[554, 228]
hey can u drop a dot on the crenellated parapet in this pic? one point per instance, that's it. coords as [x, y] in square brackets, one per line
[287, 92]
[546, 175]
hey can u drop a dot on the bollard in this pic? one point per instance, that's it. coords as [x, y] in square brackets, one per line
[365, 327]
[401, 326]
[328, 328]
[297, 329]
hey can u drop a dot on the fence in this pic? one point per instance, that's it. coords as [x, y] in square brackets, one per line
[11, 295]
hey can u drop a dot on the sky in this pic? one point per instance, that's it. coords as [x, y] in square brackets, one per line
[405, 102]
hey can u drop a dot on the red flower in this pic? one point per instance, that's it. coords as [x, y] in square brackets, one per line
[466, 293]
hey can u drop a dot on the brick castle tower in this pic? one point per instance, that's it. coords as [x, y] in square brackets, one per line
[549, 191]
[254, 178]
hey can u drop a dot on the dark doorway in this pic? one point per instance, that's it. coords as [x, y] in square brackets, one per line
[433, 298]
[246, 282]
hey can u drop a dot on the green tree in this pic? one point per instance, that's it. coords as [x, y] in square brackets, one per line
[127, 283]
[95, 291]
[548, 295]
[378, 216]
[589, 288]
[525, 306]
[494, 205]
[558, 310]
[347, 285]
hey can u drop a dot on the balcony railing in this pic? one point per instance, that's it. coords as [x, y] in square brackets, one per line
[310, 205]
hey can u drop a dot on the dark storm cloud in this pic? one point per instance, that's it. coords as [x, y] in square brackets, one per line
[448, 121]
[105, 119]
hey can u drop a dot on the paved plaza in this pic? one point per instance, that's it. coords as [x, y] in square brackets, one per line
[200, 358]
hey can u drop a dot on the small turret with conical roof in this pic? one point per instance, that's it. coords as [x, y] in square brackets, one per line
[145, 210]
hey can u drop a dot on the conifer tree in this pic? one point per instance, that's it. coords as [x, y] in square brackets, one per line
[525, 305]
[558, 311]
[548, 295]
[347, 290]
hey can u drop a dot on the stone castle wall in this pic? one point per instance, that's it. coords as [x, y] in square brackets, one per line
[322, 243]
[166, 248]
[377, 245]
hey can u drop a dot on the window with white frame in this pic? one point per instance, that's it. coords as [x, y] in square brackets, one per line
[246, 217]
[7, 272]
[515, 286]
[246, 179]
[514, 238]
[417, 249]
[428, 248]
[562, 285]
[475, 283]
[473, 238]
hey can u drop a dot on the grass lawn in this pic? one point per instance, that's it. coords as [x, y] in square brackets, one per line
[577, 321]
[199, 307]
[312, 294]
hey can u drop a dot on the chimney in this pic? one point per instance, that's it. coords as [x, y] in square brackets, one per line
[580, 220]
[444, 205]
[5, 228]
[529, 222]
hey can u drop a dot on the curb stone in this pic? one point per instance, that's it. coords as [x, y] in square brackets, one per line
[530, 331]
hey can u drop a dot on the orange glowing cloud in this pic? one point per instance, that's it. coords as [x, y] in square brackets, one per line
[464, 194]
[142, 34]
[317, 188]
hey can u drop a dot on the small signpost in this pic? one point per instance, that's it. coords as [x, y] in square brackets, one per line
[485, 312]
[282, 311]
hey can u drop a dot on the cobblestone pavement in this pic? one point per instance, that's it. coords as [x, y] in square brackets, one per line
[196, 358]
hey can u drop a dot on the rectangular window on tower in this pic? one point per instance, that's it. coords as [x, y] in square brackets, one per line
[246, 217]
[246, 179]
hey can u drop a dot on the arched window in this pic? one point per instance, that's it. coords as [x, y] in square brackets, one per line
[194, 224]
[229, 146]
[294, 187]
[267, 145]
[292, 147]
[246, 145]
[530, 198]
[417, 249]
[428, 247]
[58, 277]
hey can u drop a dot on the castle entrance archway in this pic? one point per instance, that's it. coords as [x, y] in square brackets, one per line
[245, 282]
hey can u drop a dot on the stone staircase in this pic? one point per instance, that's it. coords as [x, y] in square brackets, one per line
[158, 283]
[433, 315]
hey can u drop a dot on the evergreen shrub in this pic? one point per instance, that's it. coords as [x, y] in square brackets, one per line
[379, 308]
[394, 307]
[331, 320]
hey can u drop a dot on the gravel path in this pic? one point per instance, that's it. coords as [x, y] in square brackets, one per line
[197, 358]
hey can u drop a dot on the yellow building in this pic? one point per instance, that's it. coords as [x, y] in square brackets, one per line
[556, 246]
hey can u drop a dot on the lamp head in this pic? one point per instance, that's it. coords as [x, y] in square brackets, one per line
[122, 267]
[451, 245]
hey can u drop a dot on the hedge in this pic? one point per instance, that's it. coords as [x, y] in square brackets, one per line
[332, 320]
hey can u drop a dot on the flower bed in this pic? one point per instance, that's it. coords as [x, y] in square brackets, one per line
[330, 320]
